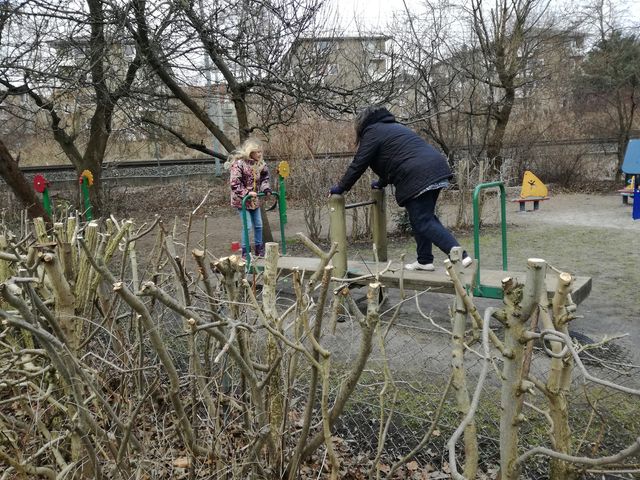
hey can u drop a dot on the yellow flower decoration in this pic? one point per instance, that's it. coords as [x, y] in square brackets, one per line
[88, 175]
[283, 169]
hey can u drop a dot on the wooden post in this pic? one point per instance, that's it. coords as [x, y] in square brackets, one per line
[379, 222]
[338, 233]
[559, 382]
[81, 290]
[41, 230]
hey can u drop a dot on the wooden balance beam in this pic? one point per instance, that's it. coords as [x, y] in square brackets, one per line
[437, 281]
[491, 280]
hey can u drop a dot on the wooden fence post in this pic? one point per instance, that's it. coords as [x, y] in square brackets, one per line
[338, 233]
[379, 222]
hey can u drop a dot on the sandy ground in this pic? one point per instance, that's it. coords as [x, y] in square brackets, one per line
[577, 210]
[581, 210]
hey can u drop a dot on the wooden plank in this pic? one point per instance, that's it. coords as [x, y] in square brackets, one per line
[436, 281]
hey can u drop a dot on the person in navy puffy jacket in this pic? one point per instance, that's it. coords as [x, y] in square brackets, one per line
[400, 157]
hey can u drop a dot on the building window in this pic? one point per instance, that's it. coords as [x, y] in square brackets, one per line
[129, 52]
[323, 46]
[372, 47]
[376, 69]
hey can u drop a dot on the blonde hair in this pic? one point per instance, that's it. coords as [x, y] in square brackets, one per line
[249, 146]
[232, 157]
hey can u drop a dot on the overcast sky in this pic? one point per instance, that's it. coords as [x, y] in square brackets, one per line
[376, 14]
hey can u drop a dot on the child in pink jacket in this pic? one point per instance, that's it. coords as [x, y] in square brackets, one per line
[249, 175]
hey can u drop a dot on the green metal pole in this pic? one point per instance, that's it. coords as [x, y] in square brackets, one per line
[503, 224]
[46, 202]
[245, 231]
[282, 208]
[87, 201]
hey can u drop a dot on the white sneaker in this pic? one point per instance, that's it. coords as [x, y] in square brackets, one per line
[420, 266]
[466, 261]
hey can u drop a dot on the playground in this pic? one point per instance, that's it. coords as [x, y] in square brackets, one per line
[586, 234]
[590, 235]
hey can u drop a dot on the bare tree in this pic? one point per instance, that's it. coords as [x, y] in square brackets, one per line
[246, 46]
[74, 67]
[10, 173]
[610, 75]
[509, 36]
[270, 58]
[434, 93]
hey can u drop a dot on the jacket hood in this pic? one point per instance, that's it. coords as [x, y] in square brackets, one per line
[371, 115]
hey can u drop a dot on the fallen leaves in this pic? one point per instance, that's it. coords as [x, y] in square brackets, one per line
[182, 462]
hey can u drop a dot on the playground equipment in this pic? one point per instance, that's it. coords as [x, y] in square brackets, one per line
[86, 180]
[488, 283]
[631, 169]
[41, 185]
[338, 227]
[533, 190]
[480, 290]
[628, 190]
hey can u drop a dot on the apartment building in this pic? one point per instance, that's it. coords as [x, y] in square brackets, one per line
[342, 61]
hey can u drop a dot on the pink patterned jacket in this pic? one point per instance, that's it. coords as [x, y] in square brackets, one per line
[246, 175]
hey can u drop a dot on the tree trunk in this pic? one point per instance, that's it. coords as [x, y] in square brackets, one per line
[559, 412]
[511, 384]
[558, 403]
[94, 156]
[494, 149]
[623, 141]
[20, 186]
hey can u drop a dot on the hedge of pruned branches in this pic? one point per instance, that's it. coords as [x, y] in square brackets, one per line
[132, 352]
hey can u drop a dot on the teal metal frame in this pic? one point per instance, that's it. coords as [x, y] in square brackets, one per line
[245, 225]
[480, 290]
[282, 209]
[88, 211]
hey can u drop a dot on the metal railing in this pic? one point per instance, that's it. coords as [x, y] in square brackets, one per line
[480, 290]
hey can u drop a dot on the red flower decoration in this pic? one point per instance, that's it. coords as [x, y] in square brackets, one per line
[40, 183]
